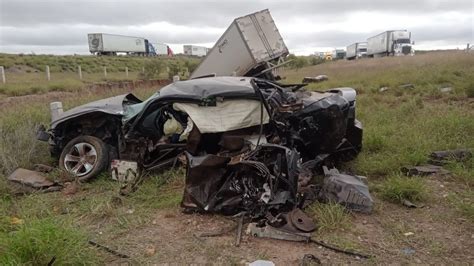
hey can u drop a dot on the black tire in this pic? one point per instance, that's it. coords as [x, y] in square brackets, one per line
[84, 157]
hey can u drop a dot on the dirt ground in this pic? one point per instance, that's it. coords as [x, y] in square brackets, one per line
[432, 234]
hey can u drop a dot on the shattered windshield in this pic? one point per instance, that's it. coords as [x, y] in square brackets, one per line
[131, 110]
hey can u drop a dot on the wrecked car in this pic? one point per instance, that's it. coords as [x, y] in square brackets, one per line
[250, 145]
[218, 116]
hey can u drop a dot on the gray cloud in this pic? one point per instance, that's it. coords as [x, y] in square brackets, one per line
[45, 24]
[107, 12]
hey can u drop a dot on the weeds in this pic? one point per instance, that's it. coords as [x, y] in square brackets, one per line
[329, 216]
[470, 89]
[398, 188]
[18, 145]
[464, 203]
[38, 242]
[161, 191]
[153, 70]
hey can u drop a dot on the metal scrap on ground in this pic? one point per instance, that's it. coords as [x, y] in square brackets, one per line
[437, 159]
[318, 78]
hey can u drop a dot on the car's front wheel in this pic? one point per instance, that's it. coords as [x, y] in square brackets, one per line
[84, 157]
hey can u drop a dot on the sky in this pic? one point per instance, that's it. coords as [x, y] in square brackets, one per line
[61, 26]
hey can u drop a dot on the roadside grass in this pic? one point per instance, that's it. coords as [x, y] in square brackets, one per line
[49, 222]
[427, 73]
[401, 132]
[44, 241]
[88, 63]
[161, 191]
[18, 145]
[25, 74]
[329, 217]
[40, 87]
[401, 127]
[398, 188]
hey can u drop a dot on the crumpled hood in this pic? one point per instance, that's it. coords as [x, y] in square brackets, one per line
[113, 105]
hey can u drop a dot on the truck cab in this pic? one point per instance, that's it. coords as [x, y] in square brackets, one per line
[361, 50]
[402, 44]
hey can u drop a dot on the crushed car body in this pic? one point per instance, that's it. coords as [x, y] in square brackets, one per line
[250, 145]
[217, 115]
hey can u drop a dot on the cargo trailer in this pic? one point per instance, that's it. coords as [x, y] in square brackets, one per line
[251, 46]
[390, 43]
[356, 50]
[111, 44]
[194, 50]
[162, 49]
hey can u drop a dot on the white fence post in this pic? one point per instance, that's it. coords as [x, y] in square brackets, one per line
[126, 72]
[105, 72]
[48, 74]
[79, 70]
[2, 70]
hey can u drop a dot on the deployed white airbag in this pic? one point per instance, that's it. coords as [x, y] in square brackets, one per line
[225, 116]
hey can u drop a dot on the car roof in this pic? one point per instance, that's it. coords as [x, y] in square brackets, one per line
[209, 87]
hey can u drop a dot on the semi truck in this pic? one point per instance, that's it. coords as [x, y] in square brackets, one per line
[195, 50]
[111, 44]
[390, 43]
[251, 46]
[356, 50]
[338, 54]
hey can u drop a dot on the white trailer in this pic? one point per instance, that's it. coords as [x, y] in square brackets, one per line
[393, 42]
[110, 44]
[252, 45]
[161, 48]
[195, 50]
[356, 50]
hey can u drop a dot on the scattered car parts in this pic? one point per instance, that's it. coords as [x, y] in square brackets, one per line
[423, 170]
[348, 190]
[24, 181]
[316, 79]
[443, 157]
